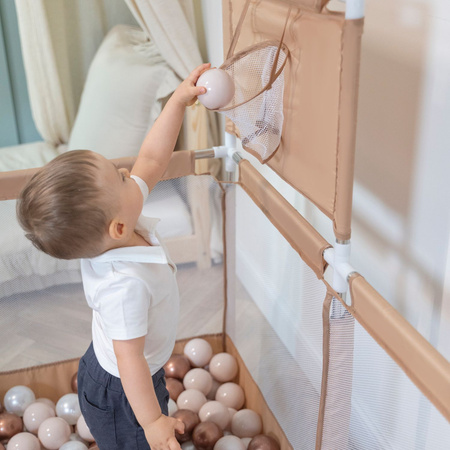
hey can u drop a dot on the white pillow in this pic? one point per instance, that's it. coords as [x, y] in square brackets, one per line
[123, 94]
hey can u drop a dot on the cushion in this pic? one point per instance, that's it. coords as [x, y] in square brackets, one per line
[126, 85]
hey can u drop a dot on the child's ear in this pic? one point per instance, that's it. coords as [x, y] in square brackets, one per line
[116, 229]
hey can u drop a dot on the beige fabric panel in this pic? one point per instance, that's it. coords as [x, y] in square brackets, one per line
[181, 164]
[423, 364]
[321, 83]
[303, 238]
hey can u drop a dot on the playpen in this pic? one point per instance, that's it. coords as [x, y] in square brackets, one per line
[324, 359]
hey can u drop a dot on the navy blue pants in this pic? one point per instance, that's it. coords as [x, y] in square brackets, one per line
[106, 409]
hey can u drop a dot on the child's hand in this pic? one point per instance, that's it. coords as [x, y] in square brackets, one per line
[187, 92]
[160, 434]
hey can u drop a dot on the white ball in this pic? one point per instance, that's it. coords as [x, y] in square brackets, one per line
[215, 412]
[83, 430]
[17, 399]
[35, 414]
[198, 351]
[246, 441]
[199, 379]
[191, 399]
[246, 423]
[223, 367]
[219, 88]
[172, 407]
[24, 441]
[231, 395]
[188, 445]
[229, 443]
[68, 408]
[73, 445]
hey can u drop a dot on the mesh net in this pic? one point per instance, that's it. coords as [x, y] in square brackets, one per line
[257, 106]
[44, 316]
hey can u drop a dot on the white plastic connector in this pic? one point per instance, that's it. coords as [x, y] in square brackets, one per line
[220, 152]
[354, 9]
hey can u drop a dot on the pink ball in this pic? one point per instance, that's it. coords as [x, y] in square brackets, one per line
[212, 393]
[199, 379]
[191, 399]
[229, 443]
[219, 88]
[215, 412]
[231, 395]
[24, 441]
[198, 351]
[48, 402]
[54, 432]
[223, 367]
[83, 430]
[246, 423]
[35, 414]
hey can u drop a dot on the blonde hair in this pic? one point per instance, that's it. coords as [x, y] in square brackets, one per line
[62, 208]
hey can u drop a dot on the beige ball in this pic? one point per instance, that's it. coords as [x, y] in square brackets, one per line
[199, 379]
[212, 393]
[35, 414]
[48, 402]
[24, 441]
[198, 351]
[215, 412]
[246, 423]
[246, 441]
[231, 395]
[223, 367]
[229, 443]
[54, 432]
[191, 399]
[83, 430]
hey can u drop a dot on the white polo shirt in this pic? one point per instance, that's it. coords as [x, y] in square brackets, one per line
[133, 292]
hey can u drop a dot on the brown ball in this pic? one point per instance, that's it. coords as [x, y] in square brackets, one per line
[74, 383]
[190, 420]
[10, 425]
[263, 442]
[177, 366]
[175, 388]
[205, 435]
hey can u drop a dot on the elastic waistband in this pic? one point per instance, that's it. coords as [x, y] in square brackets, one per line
[101, 376]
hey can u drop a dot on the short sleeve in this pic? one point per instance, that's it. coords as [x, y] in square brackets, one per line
[124, 306]
[142, 186]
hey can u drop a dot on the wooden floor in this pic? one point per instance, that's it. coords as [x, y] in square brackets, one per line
[55, 324]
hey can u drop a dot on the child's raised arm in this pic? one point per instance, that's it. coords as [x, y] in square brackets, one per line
[158, 145]
[138, 386]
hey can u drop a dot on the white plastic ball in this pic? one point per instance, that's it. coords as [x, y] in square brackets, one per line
[17, 399]
[191, 399]
[246, 441]
[231, 395]
[198, 351]
[77, 437]
[229, 443]
[189, 445]
[219, 88]
[223, 367]
[35, 414]
[68, 408]
[54, 432]
[246, 423]
[215, 412]
[172, 407]
[24, 441]
[73, 445]
[83, 430]
[199, 379]
[48, 402]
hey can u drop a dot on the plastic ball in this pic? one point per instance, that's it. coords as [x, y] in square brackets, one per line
[199, 379]
[246, 441]
[191, 399]
[73, 445]
[10, 424]
[219, 88]
[177, 366]
[246, 423]
[189, 445]
[172, 407]
[212, 393]
[54, 432]
[231, 412]
[223, 367]
[263, 442]
[17, 399]
[35, 414]
[198, 351]
[215, 412]
[205, 435]
[190, 420]
[68, 408]
[231, 395]
[48, 402]
[77, 437]
[24, 441]
[74, 382]
[229, 443]
[83, 430]
[175, 387]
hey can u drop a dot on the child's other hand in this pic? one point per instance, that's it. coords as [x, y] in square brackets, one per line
[187, 92]
[160, 434]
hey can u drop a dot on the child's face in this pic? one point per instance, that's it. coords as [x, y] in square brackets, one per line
[126, 197]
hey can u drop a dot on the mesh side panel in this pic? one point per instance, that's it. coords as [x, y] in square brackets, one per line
[278, 322]
[259, 120]
[388, 411]
[44, 316]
